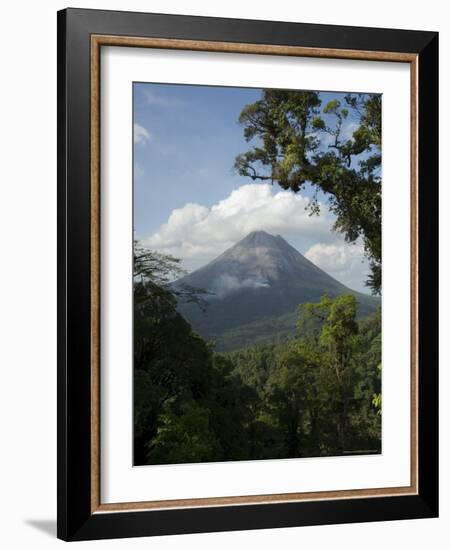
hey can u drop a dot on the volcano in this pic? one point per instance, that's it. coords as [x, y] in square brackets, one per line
[255, 288]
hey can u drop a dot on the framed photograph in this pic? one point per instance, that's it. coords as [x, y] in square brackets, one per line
[248, 295]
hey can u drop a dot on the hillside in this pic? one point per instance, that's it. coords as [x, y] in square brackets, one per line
[255, 288]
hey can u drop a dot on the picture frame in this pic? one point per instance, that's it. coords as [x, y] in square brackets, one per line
[81, 36]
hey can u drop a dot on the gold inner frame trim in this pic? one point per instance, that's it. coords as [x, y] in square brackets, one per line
[97, 41]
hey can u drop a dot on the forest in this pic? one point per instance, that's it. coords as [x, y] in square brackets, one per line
[315, 394]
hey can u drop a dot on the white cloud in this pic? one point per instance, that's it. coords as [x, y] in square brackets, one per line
[327, 139]
[197, 234]
[324, 138]
[347, 130]
[228, 284]
[140, 134]
[195, 231]
[345, 262]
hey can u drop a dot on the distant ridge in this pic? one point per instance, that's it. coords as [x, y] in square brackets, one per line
[256, 287]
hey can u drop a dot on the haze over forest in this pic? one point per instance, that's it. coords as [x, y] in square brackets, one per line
[253, 290]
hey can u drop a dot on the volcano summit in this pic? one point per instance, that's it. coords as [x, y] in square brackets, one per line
[255, 289]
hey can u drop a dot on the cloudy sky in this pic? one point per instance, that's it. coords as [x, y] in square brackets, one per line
[188, 202]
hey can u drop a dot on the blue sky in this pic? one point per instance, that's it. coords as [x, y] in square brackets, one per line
[188, 201]
[194, 138]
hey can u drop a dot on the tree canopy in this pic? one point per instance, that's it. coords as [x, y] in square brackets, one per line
[316, 394]
[298, 142]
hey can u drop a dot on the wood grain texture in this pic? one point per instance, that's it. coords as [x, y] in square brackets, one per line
[414, 251]
[255, 499]
[259, 49]
[95, 275]
[124, 41]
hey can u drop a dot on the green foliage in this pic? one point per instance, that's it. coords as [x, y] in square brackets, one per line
[188, 404]
[183, 436]
[316, 391]
[315, 394]
[288, 127]
[153, 273]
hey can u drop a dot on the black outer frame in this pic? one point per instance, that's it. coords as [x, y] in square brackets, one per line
[75, 521]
